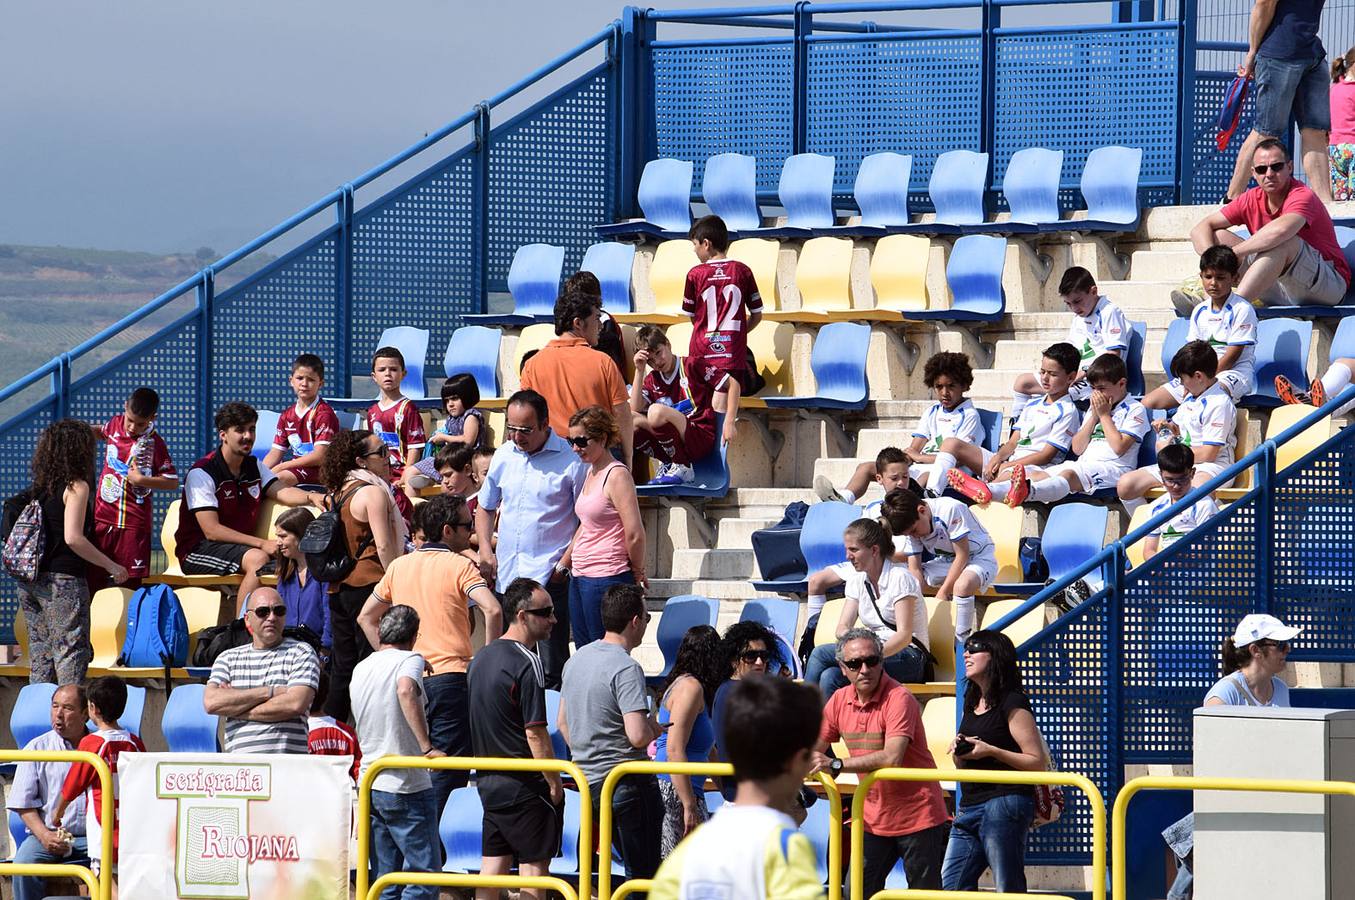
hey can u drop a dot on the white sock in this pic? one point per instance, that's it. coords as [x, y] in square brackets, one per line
[964, 617]
[1336, 379]
[816, 602]
[937, 480]
[846, 495]
[1019, 401]
[1050, 490]
[1000, 490]
[1131, 505]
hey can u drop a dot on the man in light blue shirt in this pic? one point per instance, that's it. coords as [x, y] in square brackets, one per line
[533, 481]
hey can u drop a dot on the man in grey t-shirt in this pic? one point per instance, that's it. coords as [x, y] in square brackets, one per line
[604, 719]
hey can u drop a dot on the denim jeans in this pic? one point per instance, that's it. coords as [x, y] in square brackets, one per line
[405, 839]
[906, 667]
[585, 604]
[29, 887]
[1300, 86]
[989, 835]
[447, 706]
[921, 852]
[637, 817]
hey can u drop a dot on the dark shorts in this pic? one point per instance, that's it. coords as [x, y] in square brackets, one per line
[214, 558]
[125, 546]
[528, 832]
[667, 444]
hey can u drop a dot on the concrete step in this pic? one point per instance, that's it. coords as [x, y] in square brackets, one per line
[1139, 295]
[717, 564]
[838, 470]
[736, 532]
[870, 441]
[741, 589]
[1164, 265]
[1054, 325]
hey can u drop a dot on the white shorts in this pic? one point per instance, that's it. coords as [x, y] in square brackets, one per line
[1095, 475]
[983, 568]
[1234, 382]
[1017, 457]
[1207, 469]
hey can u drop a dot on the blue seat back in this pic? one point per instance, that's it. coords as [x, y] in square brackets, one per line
[132, 713]
[612, 263]
[413, 346]
[956, 187]
[264, 430]
[186, 725]
[882, 188]
[780, 615]
[1281, 349]
[32, 713]
[839, 361]
[679, 615]
[1073, 534]
[821, 536]
[991, 419]
[729, 188]
[1138, 337]
[974, 273]
[1110, 184]
[1173, 342]
[474, 349]
[806, 190]
[1031, 185]
[817, 826]
[665, 195]
[462, 821]
[1343, 342]
[557, 740]
[534, 279]
[567, 861]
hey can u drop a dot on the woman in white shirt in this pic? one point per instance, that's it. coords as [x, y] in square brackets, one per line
[888, 600]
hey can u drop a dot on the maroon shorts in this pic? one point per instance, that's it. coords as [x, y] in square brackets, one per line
[125, 546]
[666, 444]
[715, 370]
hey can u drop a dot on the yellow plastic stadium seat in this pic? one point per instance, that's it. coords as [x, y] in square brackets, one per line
[19, 668]
[202, 609]
[898, 272]
[1242, 483]
[1134, 552]
[760, 255]
[1004, 525]
[938, 720]
[667, 279]
[679, 336]
[941, 636]
[771, 346]
[533, 337]
[1283, 418]
[823, 276]
[1024, 628]
[826, 631]
[108, 625]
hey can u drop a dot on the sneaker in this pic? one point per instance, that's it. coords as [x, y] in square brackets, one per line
[675, 474]
[825, 490]
[1317, 394]
[1020, 488]
[658, 476]
[969, 486]
[1292, 395]
[1184, 303]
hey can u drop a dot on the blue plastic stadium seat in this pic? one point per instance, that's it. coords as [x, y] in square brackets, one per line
[413, 346]
[534, 282]
[665, 199]
[679, 615]
[974, 273]
[818, 825]
[710, 474]
[557, 740]
[882, 190]
[612, 264]
[1031, 187]
[1110, 188]
[264, 430]
[991, 420]
[806, 192]
[1073, 534]
[839, 364]
[186, 725]
[780, 615]
[1173, 342]
[132, 713]
[956, 190]
[729, 188]
[1138, 337]
[567, 862]
[463, 819]
[1343, 341]
[1281, 349]
[32, 713]
[820, 544]
[474, 349]
[1345, 235]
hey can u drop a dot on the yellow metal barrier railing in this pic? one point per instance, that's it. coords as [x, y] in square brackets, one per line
[1119, 852]
[463, 764]
[709, 770]
[981, 776]
[960, 895]
[102, 888]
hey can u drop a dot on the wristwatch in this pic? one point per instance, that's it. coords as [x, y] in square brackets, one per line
[835, 767]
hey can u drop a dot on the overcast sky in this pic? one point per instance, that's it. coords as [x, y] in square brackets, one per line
[171, 124]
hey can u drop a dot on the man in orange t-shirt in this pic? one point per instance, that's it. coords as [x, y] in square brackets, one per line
[571, 375]
[881, 722]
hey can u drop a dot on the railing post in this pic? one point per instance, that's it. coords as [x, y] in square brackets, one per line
[1265, 529]
[634, 109]
[206, 327]
[61, 385]
[804, 26]
[990, 21]
[480, 209]
[1185, 101]
[343, 290]
[1111, 652]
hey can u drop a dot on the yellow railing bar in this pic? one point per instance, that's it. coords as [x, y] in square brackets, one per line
[461, 879]
[463, 764]
[103, 888]
[1194, 783]
[709, 770]
[896, 894]
[980, 776]
[634, 886]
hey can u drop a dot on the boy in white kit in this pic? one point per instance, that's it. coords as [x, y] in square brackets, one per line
[964, 558]
[1107, 444]
[1098, 327]
[1227, 323]
[1176, 465]
[1042, 436]
[1206, 423]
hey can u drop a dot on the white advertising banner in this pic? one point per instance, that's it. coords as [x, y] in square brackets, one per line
[233, 825]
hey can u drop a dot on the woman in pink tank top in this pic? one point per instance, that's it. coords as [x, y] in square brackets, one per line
[609, 547]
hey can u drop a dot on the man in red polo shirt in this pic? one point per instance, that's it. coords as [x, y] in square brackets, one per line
[881, 723]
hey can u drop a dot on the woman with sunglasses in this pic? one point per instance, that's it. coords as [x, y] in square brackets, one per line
[609, 545]
[997, 733]
[688, 732]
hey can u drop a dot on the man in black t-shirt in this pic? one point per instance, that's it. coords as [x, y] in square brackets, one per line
[524, 811]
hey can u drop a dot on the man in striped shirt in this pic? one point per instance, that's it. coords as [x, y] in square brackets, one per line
[264, 688]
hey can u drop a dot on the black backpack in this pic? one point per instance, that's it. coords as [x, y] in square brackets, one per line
[214, 641]
[325, 543]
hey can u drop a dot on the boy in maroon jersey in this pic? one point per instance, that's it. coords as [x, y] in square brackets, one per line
[327, 736]
[396, 420]
[721, 297]
[672, 406]
[136, 462]
[305, 428]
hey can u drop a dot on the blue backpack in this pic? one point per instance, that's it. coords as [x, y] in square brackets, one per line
[157, 631]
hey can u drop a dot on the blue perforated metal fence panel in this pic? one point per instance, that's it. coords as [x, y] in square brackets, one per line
[730, 98]
[552, 175]
[412, 262]
[18, 440]
[1212, 168]
[916, 96]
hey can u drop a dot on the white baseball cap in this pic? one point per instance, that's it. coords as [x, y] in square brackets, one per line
[1261, 627]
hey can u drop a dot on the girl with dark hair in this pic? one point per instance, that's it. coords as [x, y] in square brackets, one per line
[306, 599]
[997, 732]
[1341, 139]
[697, 672]
[55, 604]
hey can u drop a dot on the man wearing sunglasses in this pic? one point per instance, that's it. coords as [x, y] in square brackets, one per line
[1291, 254]
[881, 722]
[264, 688]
